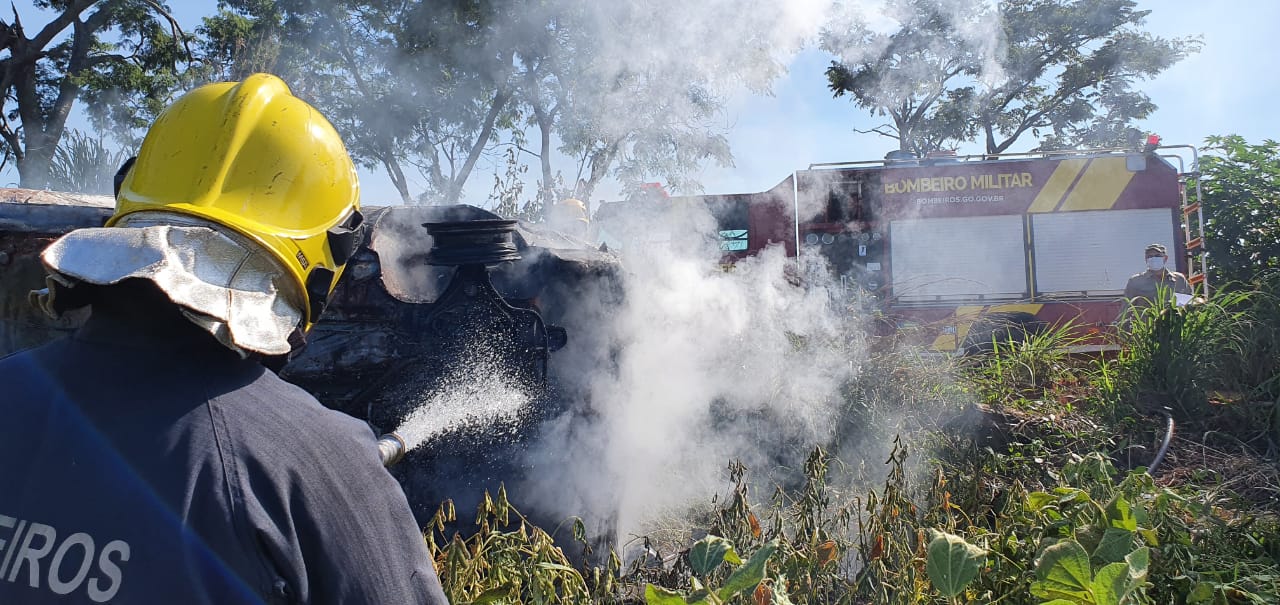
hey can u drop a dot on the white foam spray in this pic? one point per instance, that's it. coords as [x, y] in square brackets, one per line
[478, 394]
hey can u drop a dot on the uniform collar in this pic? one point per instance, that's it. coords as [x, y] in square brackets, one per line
[153, 327]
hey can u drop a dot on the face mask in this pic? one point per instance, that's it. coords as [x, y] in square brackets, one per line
[1155, 263]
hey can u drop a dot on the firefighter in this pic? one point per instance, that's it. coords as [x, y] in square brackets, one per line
[569, 216]
[1142, 289]
[150, 456]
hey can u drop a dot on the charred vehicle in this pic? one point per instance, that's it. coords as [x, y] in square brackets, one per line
[442, 304]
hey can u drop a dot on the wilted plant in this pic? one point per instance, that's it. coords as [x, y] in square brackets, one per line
[795, 553]
[510, 560]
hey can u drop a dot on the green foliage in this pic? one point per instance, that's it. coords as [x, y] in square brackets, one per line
[233, 46]
[914, 75]
[434, 87]
[121, 57]
[709, 552]
[1240, 189]
[971, 521]
[1028, 364]
[952, 562]
[1258, 368]
[1176, 354]
[1063, 576]
[1066, 72]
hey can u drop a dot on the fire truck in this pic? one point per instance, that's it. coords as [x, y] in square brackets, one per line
[953, 248]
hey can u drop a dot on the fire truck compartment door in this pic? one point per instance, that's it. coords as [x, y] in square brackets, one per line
[955, 258]
[1095, 252]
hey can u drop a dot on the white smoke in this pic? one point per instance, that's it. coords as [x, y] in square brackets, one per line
[707, 366]
[697, 365]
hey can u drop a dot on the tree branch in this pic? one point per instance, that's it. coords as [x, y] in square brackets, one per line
[11, 138]
[51, 29]
[499, 102]
[175, 29]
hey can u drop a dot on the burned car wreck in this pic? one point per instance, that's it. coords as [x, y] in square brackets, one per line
[439, 302]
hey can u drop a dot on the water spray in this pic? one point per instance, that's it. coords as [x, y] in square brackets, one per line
[490, 351]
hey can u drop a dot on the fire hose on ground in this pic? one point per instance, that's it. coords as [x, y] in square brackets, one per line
[1164, 446]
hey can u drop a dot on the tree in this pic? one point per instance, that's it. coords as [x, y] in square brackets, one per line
[1071, 66]
[909, 75]
[233, 46]
[645, 85]
[419, 84]
[640, 129]
[436, 86]
[1240, 185]
[1063, 70]
[120, 56]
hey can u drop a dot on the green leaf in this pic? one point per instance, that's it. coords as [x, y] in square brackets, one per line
[1201, 594]
[493, 594]
[1062, 571]
[1109, 585]
[1114, 546]
[1120, 514]
[1149, 536]
[779, 594]
[1138, 561]
[952, 562]
[557, 567]
[746, 577]
[709, 552]
[1070, 495]
[1039, 500]
[656, 595]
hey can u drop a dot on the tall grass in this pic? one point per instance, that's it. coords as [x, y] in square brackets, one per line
[84, 164]
[1028, 365]
[1172, 356]
[1258, 368]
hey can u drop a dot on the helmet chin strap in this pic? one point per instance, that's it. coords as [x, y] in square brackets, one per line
[118, 180]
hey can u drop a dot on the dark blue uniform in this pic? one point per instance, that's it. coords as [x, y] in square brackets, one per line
[142, 462]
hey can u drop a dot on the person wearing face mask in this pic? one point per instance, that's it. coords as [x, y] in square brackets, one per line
[1142, 288]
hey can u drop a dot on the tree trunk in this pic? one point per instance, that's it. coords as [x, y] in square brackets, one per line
[455, 186]
[547, 193]
[35, 162]
[600, 163]
[397, 179]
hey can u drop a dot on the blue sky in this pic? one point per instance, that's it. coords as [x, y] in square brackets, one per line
[1229, 87]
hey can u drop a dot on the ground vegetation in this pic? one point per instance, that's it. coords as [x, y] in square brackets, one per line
[1042, 479]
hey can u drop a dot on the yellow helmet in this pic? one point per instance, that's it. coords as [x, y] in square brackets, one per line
[252, 157]
[569, 209]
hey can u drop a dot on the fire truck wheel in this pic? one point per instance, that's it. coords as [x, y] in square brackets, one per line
[1000, 328]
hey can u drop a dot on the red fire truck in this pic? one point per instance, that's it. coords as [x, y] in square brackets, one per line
[953, 246]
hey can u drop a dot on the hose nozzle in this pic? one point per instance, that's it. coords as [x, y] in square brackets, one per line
[391, 448]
